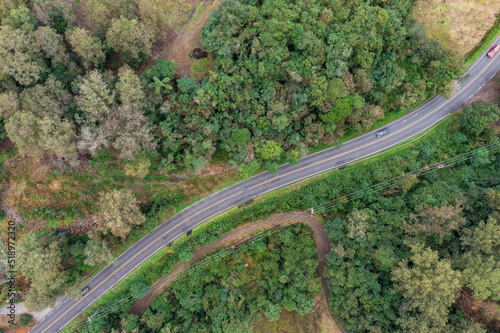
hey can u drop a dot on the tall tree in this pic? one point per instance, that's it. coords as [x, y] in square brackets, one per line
[20, 18]
[270, 150]
[95, 96]
[429, 285]
[153, 17]
[23, 128]
[20, 56]
[57, 13]
[129, 87]
[96, 252]
[51, 43]
[481, 262]
[119, 212]
[102, 12]
[9, 104]
[87, 46]
[440, 221]
[127, 130]
[40, 260]
[34, 136]
[49, 99]
[477, 116]
[129, 38]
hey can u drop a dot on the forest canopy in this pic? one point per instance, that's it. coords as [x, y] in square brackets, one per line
[288, 76]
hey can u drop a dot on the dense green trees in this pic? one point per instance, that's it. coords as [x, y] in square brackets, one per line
[272, 274]
[399, 259]
[296, 74]
[477, 117]
[383, 246]
[285, 64]
[289, 75]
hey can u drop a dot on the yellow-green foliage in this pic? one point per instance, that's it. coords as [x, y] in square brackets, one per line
[201, 67]
[196, 17]
[139, 167]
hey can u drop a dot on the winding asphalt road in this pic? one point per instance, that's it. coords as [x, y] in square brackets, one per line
[400, 130]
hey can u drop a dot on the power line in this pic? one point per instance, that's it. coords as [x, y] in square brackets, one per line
[322, 208]
[268, 232]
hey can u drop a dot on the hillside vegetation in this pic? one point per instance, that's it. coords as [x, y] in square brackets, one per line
[419, 255]
[99, 126]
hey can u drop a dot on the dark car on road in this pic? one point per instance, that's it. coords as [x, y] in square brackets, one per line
[382, 132]
[493, 50]
[84, 291]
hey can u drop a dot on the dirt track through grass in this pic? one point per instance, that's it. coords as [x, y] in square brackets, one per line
[242, 233]
[178, 50]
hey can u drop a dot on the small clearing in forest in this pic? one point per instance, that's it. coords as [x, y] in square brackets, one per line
[180, 48]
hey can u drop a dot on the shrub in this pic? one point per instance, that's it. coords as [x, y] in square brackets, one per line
[25, 320]
[139, 167]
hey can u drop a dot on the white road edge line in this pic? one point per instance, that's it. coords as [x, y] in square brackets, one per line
[388, 148]
[273, 189]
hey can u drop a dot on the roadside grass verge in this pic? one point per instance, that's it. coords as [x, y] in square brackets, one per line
[352, 135]
[187, 204]
[438, 143]
[483, 45]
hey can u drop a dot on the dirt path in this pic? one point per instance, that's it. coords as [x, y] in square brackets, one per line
[178, 49]
[242, 233]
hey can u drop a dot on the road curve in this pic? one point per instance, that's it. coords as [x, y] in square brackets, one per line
[401, 130]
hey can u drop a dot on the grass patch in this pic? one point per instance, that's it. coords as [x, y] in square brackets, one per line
[200, 68]
[459, 24]
[187, 204]
[62, 195]
[483, 45]
[196, 16]
[290, 321]
[181, 12]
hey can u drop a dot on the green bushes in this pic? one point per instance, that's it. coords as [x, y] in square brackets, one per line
[51, 213]
[272, 274]
[369, 294]
[25, 320]
[477, 117]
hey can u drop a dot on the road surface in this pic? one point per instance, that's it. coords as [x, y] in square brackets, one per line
[400, 130]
